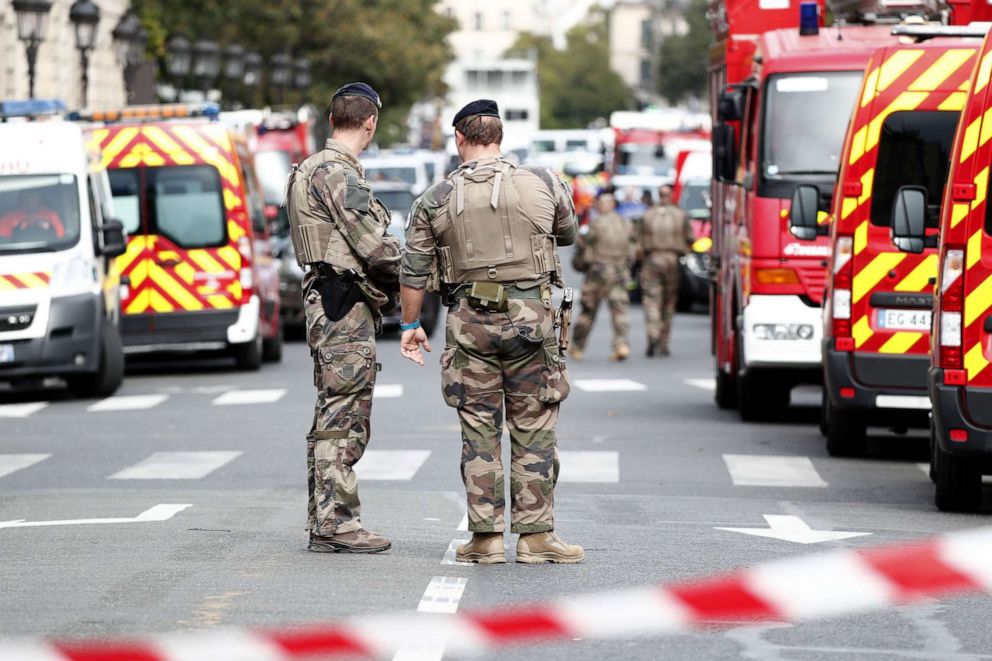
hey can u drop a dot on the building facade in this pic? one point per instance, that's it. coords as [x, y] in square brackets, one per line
[57, 71]
[637, 28]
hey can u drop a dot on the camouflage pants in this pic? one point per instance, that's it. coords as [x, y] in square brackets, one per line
[659, 294]
[344, 374]
[486, 365]
[604, 281]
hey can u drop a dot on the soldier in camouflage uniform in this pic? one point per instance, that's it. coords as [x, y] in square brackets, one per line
[665, 235]
[604, 252]
[339, 232]
[488, 235]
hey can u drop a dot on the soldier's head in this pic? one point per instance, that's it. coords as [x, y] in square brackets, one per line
[354, 110]
[606, 202]
[665, 194]
[478, 127]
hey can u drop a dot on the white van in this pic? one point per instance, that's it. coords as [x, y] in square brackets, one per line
[59, 288]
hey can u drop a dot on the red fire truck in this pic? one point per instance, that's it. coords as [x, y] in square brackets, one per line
[782, 89]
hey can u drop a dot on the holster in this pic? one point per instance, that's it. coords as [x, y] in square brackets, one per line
[565, 319]
[338, 293]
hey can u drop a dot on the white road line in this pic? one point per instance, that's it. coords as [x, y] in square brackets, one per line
[709, 385]
[609, 385]
[442, 595]
[11, 463]
[236, 397]
[463, 525]
[127, 403]
[21, 410]
[391, 464]
[387, 391]
[449, 555]
[589, 467]
[176, 466]
[925, 468]
[747, 470]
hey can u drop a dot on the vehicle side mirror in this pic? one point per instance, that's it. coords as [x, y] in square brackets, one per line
[724, 154]
[804, 211]
[730, 105]
[909, 215]
[659, 151]
[114, 241]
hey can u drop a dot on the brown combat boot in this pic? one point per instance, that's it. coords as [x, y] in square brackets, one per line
[356, 541]
[621, 352]
[486, 548]
[539, 547]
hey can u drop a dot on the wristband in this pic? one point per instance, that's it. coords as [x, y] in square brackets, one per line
[413, 325]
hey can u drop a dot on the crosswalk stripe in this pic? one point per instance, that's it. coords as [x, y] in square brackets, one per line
[176, 466]
[772, 471]
[127, 403]
[391, 464]
[236, 397]
[708, 385]
[609, 385]
[387, 391]
[21, 410]
[442, 595]
[11, 463]
[585, 466]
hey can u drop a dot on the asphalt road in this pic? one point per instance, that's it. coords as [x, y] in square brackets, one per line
[651, 469]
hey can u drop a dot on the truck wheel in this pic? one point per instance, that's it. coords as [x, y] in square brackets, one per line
[248, 356]
[823, 414]
[759, 398]
[959, 483]
[725, 393]
[110, 371]
[430, 314]
[272, 347]
[847, 432]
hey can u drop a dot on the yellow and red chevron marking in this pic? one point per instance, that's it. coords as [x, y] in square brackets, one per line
[920, 78]
[36, 280]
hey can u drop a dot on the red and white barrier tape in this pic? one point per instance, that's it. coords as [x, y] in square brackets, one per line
[822, 585]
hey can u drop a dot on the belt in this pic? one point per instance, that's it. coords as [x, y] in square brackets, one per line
[511, 292]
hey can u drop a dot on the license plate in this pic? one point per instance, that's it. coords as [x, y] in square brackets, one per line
[911, 320]
[6, 353]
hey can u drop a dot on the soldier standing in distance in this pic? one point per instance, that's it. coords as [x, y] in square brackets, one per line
[666, 235]
[339, 230]
[604, 252]
[488, 235]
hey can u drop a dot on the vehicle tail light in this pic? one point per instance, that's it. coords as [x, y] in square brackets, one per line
[776, 277]
[959, 435]
[246, 276]
[841, 295]
[847, 393]
[951, 299]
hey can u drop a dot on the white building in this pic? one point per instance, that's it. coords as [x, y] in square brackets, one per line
[57, 72]
[637, 28]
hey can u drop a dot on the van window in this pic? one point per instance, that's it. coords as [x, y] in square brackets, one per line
[914, 149]
[273, 170]
[392, 173]
[125, 188]
[38, 213]
[187, 204]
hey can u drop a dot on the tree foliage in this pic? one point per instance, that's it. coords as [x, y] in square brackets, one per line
[577, 85]
[682, 60]
[398, 46]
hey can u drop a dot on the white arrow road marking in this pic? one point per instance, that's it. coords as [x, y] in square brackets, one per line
[609, 385]
[793, 529]
[709, 385]
[157, 513]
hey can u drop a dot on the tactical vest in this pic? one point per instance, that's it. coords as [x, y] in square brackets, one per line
[610, 239]
[315, 236]
[487, 234]
[664, 230]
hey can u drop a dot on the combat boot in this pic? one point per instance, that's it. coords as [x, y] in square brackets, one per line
[652, 349]
[356, 541]
[486, 548]
[539, 547]
[621, 352]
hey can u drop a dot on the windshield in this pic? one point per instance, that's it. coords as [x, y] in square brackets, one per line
[407, 175]
[694, 197]
[399, 201]
[914, 149]
[542, 146]
[805, 120]
[38, 212]
[273, 169]
[644, 159]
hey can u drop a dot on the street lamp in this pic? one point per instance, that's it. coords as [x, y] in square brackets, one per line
[301, 74]
[206, 62]
[32, 19]
[130, 40]
[178, 55]
[280, 72]
[84, 16]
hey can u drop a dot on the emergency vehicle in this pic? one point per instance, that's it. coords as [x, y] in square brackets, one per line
[59, 288]
[198, 273]
[960, 376]
[782, 90]
[877, 310]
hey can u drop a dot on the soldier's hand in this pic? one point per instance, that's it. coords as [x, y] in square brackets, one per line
[410, 343]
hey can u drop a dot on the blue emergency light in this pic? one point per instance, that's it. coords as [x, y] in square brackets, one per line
[31, 108]
[809, 19]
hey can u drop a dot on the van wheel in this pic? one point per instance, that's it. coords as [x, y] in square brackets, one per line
[110, 372]
[759, 398]
[248, 356]
[725, 394]
[847, 432]
[823, 413]
[272, 347]
[959, 483]
[933, 452]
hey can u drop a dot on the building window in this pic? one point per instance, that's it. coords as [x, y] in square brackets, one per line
[645, 73]
[472, 79]
[507, 21]
[513, 115]
[477, 20]
[647, 36]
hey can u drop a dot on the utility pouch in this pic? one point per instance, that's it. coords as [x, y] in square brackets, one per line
[565, 319]
[338, 294]
[488, 297]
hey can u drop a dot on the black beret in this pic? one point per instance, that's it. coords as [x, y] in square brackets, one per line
[359, 89]
[482, 107]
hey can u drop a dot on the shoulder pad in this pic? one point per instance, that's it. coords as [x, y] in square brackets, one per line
[435, 196]
[545, 174]
[358, 194]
